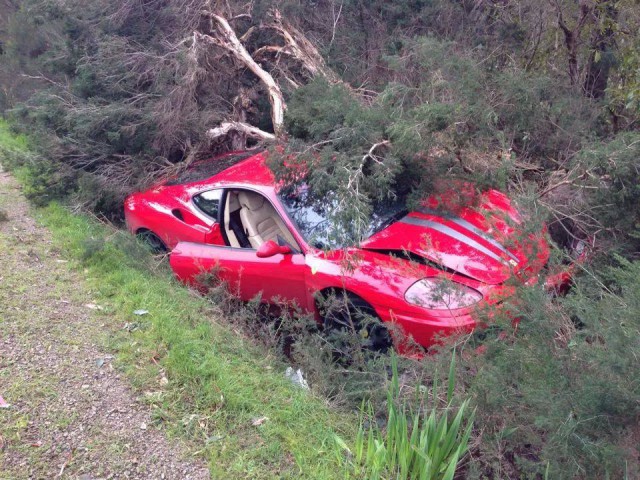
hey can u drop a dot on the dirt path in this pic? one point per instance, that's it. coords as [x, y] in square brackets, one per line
[71, 413]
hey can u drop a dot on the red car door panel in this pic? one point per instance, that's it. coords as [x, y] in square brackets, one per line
[214, 235]
[280, 276]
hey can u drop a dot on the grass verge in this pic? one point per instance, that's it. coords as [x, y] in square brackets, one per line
[204, 382]
[10, 140]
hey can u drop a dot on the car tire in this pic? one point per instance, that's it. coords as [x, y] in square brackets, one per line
[153, 241]
[343, 312]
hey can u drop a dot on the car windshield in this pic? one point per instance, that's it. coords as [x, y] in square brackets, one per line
[318, 220]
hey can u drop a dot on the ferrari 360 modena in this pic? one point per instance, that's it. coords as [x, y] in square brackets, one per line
[427, 271]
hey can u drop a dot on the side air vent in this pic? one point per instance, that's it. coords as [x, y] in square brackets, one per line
[178, 214]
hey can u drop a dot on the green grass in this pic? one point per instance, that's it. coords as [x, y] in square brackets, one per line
[10, 140]
[14, 149]
[204, 381]
[218, 381]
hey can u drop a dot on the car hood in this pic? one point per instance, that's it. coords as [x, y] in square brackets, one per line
[486, 242]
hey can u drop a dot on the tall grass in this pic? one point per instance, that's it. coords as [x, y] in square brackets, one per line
[11, 141]
[413, 444]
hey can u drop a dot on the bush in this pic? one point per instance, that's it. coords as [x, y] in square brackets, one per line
[611, 171]
[559, 395]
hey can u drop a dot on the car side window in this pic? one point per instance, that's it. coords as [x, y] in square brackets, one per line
[209, 202]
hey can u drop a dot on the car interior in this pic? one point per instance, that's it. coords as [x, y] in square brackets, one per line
[250, 220]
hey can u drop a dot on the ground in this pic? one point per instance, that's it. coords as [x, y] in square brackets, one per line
[71, 414]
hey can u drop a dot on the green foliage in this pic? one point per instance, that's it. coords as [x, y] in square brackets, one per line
[625, 93]
[11, 141]
[559, 394]
[416, 445]
[480, 108]
[441, 109]
[612, 170]
[319, 109]
[43, 180]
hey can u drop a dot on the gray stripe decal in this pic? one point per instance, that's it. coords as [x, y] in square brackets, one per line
[469, 226]
[453, 234]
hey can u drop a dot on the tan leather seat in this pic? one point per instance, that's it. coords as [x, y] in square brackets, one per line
[261, 221]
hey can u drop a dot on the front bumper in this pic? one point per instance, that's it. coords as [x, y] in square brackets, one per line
[418, 332]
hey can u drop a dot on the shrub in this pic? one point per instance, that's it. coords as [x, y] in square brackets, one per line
[559, 395]
[610, 171]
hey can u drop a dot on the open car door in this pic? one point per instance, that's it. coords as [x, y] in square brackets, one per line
[276, 276]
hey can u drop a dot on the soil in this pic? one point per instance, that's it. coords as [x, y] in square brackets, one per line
[71, 414]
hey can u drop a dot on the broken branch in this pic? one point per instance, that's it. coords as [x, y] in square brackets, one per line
[225, 128]
[228, 40]
[371, 153]
[299, 47]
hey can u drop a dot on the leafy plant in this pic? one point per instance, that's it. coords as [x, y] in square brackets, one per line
[413, 444]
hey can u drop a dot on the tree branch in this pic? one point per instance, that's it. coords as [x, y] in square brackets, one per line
[227, 127]
[299, 47]
[371, 153]
[226, 38]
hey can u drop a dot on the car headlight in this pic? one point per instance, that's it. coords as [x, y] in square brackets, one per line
[441, 294]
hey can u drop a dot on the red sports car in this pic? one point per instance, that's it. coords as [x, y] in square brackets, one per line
[427, 271]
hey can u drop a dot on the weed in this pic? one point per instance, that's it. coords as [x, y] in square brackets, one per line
[413, 445]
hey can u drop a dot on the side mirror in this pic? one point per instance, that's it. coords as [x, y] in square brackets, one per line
[271, 248]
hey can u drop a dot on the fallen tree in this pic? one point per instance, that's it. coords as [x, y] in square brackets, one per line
[306, 63]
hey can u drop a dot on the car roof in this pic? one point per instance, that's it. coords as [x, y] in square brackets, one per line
[206, 170]
[251, 171]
